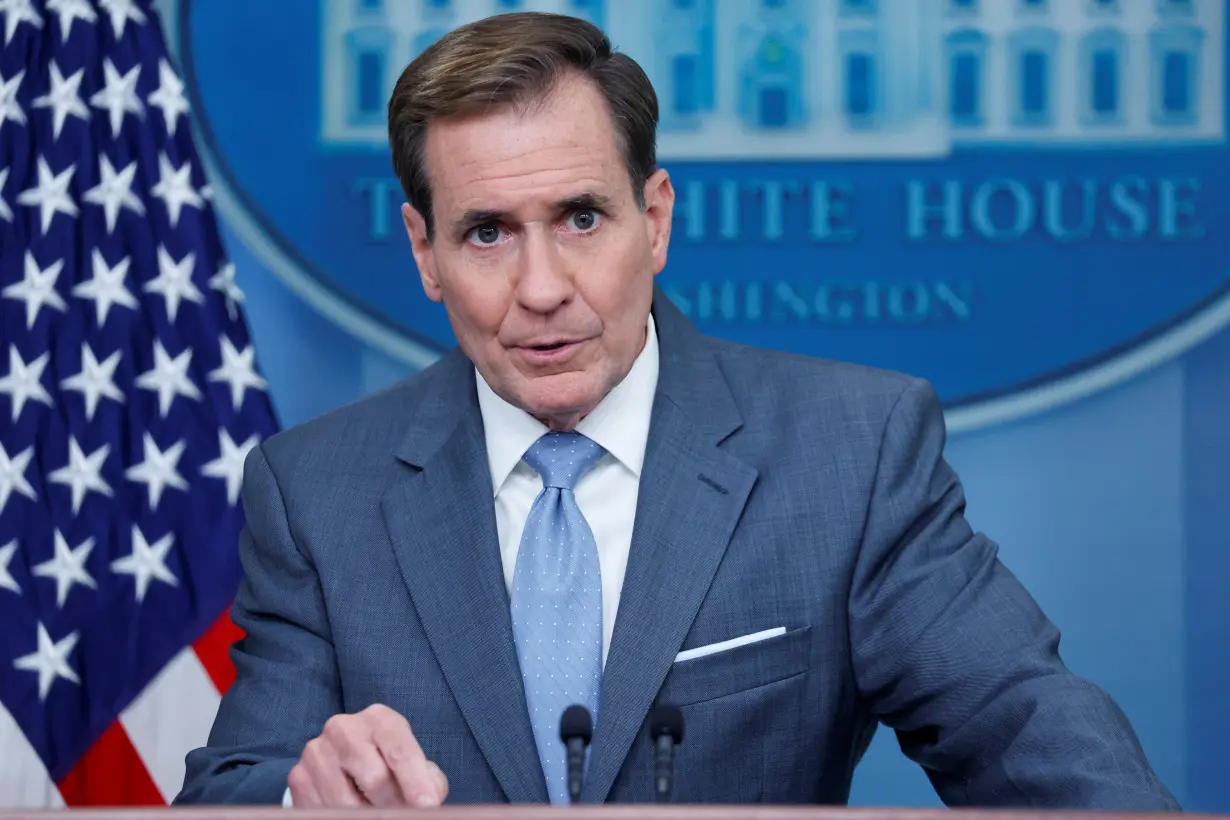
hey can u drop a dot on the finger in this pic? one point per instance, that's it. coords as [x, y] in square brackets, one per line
[334, 788]
[367, 769]
[405, 759]
[441, 779]
[303, 792]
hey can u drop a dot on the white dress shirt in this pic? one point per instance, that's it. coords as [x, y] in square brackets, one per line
[606, 494]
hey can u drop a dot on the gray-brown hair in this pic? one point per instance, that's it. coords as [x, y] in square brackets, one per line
[516, 59]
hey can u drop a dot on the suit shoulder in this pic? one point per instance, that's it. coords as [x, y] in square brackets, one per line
[795, 377]
[375, 418]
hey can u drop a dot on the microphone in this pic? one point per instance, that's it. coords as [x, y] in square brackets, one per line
[576, 729]
[666, 729]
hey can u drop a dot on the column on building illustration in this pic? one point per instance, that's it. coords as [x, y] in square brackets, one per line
[683, 69]
[771, 64]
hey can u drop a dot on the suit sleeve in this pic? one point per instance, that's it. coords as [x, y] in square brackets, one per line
[286, 683]
[957, 658]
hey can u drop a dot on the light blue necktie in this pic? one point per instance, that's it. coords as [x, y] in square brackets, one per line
[557, 600]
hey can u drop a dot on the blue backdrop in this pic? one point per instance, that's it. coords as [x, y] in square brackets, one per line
[1023, 201]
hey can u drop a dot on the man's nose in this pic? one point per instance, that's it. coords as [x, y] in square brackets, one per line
[544, 281]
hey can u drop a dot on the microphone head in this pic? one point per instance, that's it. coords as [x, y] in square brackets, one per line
[666, 720]
[576, 723]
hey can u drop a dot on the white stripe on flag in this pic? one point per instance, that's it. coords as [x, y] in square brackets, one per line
[170, 718]
[24, 781]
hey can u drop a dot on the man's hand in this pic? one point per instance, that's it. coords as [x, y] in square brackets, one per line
[367, 759]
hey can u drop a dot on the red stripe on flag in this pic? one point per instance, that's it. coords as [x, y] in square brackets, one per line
[213, 648]
[110, 773]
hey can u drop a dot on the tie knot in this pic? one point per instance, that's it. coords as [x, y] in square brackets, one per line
[562, 458]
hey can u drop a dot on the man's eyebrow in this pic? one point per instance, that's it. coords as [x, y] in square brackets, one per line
[584, 201]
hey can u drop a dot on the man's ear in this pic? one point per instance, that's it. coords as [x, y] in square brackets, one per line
[659, 213]
[420, 246]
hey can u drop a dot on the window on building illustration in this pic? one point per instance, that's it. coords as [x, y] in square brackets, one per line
[1104, 78]
[858, 6]
[774, 107]
[966, 71]
[686, 79]
[1174, 6]
[371, 81]
[860, 84]
[1101, 68]
[1176, 83]
[1176, 76]
[965, 60]
[1031, 72]
[1033, 83]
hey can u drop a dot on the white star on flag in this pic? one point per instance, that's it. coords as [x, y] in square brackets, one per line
[95, 380]
[63, 99]
[69, 11]
[10, 108]
[13, 475]
[37, 288]
[229, 464]
[17, 12]
[174, 187]
[25, 381]
[169, 377]
[119, 95]
[121, 12]
[50, 661]
[114, 191]
[224, 282]
[107, 287]
[5, 212]
[238, 369]
[159, 470]
[7, 581]
[83, 473]
[50, 196]
[146, 562]
[67, 567]
[169, 96]
[174, 281]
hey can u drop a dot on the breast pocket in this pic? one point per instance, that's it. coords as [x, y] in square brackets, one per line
[729, 671]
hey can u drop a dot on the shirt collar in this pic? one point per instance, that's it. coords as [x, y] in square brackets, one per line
[619, 424]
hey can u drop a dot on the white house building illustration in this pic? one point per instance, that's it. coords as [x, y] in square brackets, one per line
[749, 79]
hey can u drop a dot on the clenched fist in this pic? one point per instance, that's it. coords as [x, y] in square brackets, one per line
[367, 759]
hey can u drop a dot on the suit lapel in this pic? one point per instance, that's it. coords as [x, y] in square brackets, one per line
[691, 497]
[441, 522]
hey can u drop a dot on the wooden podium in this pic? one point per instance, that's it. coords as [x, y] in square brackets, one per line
[644, 811]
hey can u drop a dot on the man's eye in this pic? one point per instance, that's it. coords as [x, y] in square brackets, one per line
[486, 234]
[584, 220]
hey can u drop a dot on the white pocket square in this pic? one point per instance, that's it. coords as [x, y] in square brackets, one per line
[722, 646]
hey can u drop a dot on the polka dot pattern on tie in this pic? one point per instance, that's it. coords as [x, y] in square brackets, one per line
[557, 599]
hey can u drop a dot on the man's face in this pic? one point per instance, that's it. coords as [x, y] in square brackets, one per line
[541, 256]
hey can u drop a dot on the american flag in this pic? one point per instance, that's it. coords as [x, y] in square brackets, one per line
[129, 396]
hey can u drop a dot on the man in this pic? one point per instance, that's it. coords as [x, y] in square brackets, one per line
[590, 502]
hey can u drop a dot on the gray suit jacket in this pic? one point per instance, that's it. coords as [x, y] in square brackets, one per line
[777, 490]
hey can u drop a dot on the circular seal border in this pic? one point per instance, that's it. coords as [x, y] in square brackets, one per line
[1080, 379]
